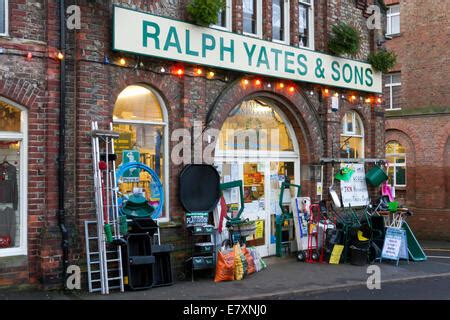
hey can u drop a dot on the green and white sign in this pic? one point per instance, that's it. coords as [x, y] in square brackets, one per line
[148, 34]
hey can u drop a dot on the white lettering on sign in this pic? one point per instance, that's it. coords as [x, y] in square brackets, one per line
[148, 34]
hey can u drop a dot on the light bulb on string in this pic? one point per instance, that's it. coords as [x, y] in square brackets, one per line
[162, 70]
[122, 62]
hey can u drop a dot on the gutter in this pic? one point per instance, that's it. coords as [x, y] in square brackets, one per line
[62, 138]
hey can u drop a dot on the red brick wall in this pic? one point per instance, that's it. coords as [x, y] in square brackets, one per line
[424, 64]
[422, 50]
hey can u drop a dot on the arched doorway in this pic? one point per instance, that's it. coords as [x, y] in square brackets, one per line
[257, 145]
[140, 117]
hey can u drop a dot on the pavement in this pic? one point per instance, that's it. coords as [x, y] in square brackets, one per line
[284, 278]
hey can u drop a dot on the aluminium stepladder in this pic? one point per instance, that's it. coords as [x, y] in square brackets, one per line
[104, 259]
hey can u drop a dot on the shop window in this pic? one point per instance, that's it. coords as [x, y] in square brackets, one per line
[393, 20]
[224, 18]
[306, 23]
[3, 17]
[280, 20]
[396, 156]
[252, 14]
[13, 184]
[352, 137]
[141, 120]
[392, 91]
[255, 126]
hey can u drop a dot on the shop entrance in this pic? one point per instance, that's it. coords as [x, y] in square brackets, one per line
[257, 145]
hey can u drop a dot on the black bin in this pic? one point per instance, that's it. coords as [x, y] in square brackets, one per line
[162, 271]
[359, 256]
[138, 261]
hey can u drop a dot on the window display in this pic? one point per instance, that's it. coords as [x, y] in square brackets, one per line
[11, 155]
[138, 118]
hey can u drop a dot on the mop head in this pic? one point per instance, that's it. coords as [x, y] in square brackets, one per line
[102, 165]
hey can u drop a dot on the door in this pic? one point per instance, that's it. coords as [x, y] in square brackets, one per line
[262, 179]
[280, 171]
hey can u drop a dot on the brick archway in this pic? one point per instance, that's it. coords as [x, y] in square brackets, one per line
[298, 109]
[300, 113]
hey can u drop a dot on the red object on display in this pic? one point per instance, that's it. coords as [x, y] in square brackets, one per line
[5, 242]
[223, 213]
[102, 165]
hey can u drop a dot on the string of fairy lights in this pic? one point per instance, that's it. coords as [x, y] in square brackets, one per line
[180, 70]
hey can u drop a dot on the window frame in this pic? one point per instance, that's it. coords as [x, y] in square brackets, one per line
[389, 16]
[286, 27]
[228, 18]
[352, 134]
[310, 24]
[390, 85]
[22, 136]
[395, 165]
[259, 17]
[165, 125]
[6, 33]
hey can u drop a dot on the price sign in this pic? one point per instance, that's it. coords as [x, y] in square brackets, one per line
[395, 245]
[354, 192]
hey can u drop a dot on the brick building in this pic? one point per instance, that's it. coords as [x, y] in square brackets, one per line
[99, 82]
[417, 112]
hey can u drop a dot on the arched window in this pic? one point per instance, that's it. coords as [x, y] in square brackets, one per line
[255, 126]
[396, 156]
[141, 120]
[352, 136]
[13, 179]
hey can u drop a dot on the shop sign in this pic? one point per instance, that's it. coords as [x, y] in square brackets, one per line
[147, 34]
[196, 219]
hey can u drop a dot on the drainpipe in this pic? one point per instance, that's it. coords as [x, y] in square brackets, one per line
[62, 136]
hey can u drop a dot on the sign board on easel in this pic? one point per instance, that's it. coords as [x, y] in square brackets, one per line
[395, 245]
[354, 192]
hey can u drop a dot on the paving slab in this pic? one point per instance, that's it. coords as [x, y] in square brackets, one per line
[281, 277]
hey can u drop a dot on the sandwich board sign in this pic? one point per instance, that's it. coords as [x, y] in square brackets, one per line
[395, 245]
[354, 192]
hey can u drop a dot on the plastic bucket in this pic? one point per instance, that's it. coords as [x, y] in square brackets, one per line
[376, 176]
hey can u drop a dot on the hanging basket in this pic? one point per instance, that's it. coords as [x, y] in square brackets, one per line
[246, 228]
[376, 176]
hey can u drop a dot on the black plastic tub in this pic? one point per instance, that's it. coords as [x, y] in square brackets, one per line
[359, 257]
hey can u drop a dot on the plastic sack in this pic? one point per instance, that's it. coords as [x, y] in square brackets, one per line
[244, 263]
[238, 266]
[249, 259]
[225, 266]
[259, 262]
